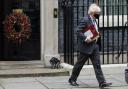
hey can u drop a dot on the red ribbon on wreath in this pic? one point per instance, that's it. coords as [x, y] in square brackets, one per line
[17, 27]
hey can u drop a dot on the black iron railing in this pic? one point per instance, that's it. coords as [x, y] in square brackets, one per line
[114, 39]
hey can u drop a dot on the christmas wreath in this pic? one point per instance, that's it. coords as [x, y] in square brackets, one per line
[17, 27]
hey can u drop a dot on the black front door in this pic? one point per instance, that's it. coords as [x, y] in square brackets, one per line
[29, 49]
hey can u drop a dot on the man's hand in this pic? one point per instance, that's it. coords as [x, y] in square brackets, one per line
[88, 40]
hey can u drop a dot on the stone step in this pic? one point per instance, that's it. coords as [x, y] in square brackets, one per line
[33, 72]
[28, 69]
[20, 64]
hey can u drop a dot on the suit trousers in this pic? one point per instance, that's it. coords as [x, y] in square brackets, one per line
[95, 59]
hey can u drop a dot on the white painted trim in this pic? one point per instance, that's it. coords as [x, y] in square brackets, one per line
[49, 31]
[42, 29]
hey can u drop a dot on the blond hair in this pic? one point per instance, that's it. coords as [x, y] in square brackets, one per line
[93, 8]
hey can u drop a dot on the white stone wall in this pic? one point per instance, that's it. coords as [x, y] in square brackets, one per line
[49, 31]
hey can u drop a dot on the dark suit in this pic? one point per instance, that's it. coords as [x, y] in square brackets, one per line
[87, 50]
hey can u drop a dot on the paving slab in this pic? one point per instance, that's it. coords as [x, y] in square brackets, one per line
[25, 85]
[17, 80]
[57, 79]
[1, 87]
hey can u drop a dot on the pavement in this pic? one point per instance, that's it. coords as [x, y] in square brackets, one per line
[86, 80]
[61, 82]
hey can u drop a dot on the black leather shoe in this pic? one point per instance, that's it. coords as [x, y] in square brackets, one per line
[73, 83]
[104, 84]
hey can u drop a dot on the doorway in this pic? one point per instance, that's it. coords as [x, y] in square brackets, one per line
[30, 48]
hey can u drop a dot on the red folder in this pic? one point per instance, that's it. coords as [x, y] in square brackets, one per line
[91, 32]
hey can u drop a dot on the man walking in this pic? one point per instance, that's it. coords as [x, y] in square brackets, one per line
[88, 48]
